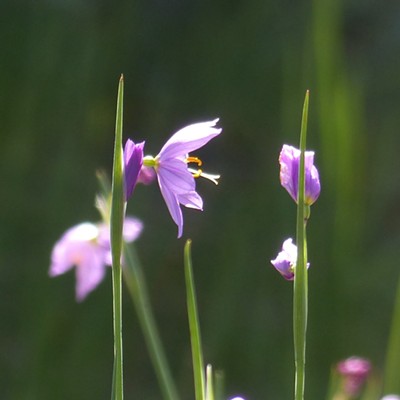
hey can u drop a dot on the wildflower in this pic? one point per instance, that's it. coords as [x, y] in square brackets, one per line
[289, 160]
[133, 160]
[175, 178]
[87, 246]
[391, 397]
[354, 371]
[285, 262]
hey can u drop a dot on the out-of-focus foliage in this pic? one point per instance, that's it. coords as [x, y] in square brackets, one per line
[249, 63]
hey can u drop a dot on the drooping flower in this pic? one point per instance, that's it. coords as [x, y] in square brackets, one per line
[175, 178]
[87, 247]
[285, 262]
[354, 371]
[289, 160]
[133, 160]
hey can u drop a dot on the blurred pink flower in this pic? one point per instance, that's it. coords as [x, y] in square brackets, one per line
[87, 247]
[355, 371]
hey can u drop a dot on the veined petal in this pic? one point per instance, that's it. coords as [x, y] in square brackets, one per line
[133, 160]
[191, 200]
[176, 176]
[172, 204]
[190, 138]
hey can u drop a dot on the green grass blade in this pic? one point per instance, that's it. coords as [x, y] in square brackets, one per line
[117, 219]
[300, 296]
[209, 383]
[197, 353]
[392, 366]
[136, 283]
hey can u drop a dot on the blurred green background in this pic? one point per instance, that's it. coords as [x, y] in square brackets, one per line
[248, 63]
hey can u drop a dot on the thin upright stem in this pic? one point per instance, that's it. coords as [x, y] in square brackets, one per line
[300, 296]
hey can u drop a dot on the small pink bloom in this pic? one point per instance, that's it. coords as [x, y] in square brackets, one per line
[87, 247]
[354, 371]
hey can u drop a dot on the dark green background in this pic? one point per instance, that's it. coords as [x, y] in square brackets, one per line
[249, 63]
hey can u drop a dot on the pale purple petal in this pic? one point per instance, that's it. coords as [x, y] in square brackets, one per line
[132, 229]
[190, 138]
[176, 176]
[133, 160]
[72, 246]
[90, 271]
[191, 200]
[391, 397]
[286, 260]
[172, 203]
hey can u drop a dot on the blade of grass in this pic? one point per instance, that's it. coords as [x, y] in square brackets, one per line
[300, 295]
[392, 366]
[209, 383]
[197, 353]
[136, 283]
[117, 219]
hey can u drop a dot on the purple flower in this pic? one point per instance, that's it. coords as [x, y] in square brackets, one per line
[289, 160]
[87, 247]
[354, 371]
[176, 180]
[133, 160]
[285, 262]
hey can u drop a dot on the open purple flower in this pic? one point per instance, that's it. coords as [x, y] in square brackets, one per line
[354, 371]
[289, 160]
[175, 178]
[285, 262]
[87, 247]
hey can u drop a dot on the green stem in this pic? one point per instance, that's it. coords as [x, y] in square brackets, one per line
[136, 283]
[194, 326]
[300, 296]
[116, 222]
[392, 367]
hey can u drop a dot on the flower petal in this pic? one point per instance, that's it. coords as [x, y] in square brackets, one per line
[133, 160]
[90, 272]
[72, 246]
[176, 176]
[190, 138]
[191, 200]
[172, 204]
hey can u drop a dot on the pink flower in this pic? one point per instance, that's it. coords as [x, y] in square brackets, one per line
[289, 160]
[354, 371]
[87, 247]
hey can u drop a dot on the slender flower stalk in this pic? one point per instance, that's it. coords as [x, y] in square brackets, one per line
[118, 205]
[135, 280]
[300, 296]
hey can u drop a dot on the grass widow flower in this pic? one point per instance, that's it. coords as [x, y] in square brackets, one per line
[175, 178]
[87, 247]
[354, 371]
[289, 160]
[285, 262]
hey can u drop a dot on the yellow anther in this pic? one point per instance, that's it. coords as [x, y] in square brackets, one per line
[198, 173]
[195, 160]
